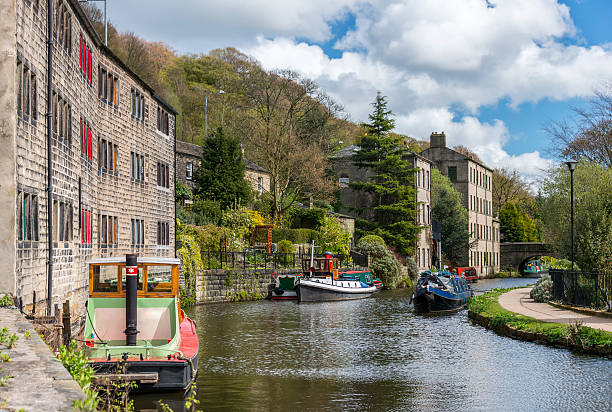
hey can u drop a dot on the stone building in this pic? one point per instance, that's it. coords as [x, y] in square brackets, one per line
[473, 180]
[357, 204]
[188, 160]
[101, 134]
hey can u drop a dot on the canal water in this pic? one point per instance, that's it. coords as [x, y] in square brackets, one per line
[376, 354]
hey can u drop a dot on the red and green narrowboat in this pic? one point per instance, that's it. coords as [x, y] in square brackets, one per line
[135, 329]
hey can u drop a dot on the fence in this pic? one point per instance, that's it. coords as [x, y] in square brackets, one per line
[260, 259]
[589, 289]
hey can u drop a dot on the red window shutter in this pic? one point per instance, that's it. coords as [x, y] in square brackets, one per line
[81, 133]
[88, 142]
[90, 228]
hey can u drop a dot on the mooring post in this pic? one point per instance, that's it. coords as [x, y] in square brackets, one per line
[131, 299]
[66, 322]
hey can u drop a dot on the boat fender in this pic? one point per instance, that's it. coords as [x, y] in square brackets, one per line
[279, 291]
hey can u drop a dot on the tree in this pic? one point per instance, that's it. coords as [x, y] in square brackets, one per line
[281, 101]
[447, 208]
[331, 237]
[508, 186]
[392, 212]
[588, 135]
[592, 214]
[221, 174]
[467, 152]
[515, 225]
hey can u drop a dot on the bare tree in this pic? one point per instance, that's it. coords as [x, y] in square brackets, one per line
[588, 135]
[508, 186]
[467, 152]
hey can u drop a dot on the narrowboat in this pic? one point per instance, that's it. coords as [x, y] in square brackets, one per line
[321, 282]
[440, 292]
[469, 273]
[135, 328]
[284, 287]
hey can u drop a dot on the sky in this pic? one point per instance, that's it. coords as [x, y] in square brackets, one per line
[491, 74]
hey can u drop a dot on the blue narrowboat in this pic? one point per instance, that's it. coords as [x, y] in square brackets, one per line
[440, 292]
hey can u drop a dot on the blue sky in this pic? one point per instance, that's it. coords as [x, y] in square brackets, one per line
[491, 76]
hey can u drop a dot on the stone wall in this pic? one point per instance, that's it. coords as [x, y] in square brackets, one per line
[220, 285]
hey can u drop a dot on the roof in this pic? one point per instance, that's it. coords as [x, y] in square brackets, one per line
[252, 166]
[89, 28]
[346, 152]
[418, 156]
[189, 148]
[140, 259]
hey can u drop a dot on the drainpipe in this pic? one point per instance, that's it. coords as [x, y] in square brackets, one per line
[174, 188]
[49, 158]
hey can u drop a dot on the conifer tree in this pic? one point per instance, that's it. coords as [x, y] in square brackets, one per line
[391, 214]
[221, 173]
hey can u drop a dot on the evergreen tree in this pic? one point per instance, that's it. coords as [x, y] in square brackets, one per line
[221, 174]
[447, 208]
[391, 214]
[516, 225]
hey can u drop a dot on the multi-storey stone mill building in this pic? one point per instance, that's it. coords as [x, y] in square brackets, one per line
[86, 155]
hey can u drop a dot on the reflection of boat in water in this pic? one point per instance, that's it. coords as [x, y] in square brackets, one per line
[440, 292]
[135, 329]
[322, 282]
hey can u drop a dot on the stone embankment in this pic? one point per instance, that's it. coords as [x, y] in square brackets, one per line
[38, 380]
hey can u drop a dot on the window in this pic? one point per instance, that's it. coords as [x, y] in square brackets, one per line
[85, 59]
[344, 181]
[418, 257]
[137, 166]
[63, 26]
[107, 155]
[424, 261]
[86, 227]
[137, 232]
[163, 175]
[427, 186]
[418, 178]
[137, 104]
[189, 171]
[85, 134]
[108, 86]
[428, 215]
[61, 116]
[163, 233]
[108, 231]
[62, 221]
[260, 185]
[27, 216]
[26, 93]
[452, 173]
[162, 120]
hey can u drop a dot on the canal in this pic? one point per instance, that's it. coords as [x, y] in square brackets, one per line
[376, 354]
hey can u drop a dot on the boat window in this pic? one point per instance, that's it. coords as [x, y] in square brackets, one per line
[159, 279]
[140, 276]
[105, 278]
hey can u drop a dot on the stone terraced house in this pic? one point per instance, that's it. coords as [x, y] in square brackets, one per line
[107, 143]
[474, 181]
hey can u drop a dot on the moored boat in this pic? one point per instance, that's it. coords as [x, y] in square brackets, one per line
[469, 273]
[440, 292]
[321, 282]
[284, 287]
[135, 329]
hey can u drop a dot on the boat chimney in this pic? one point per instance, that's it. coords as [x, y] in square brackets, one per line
[131, 299]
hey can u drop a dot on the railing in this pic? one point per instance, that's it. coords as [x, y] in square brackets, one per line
[580, 288]
[261, 259]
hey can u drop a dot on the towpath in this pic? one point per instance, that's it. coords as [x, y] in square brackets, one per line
[518, 301]
[39, 381]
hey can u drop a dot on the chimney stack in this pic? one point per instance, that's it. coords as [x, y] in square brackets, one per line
[437, 140]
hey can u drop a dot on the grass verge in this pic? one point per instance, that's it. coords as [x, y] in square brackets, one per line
[486, 311]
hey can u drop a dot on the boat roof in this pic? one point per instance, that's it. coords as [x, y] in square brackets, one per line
[141, 259]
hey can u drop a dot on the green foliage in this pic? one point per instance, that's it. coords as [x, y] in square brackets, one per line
[239, 222]
[221, 173]
[6, 301]
[7, 338]
[592, 214]
[182, 192]
[206, 212]
[543, 289]
[75, 361]
[4, 380]
[391, 214]
[301, 218]
[382, 262]
[372, 239]
[331, 237]
[189, 253]
[285, 246]
[447, 208]
[298, 236]
[515, 225]
[5, 357]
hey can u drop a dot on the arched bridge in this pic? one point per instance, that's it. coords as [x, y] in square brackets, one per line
[516, 254]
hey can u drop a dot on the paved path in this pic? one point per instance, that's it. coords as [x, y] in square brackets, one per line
[40, 382]
[518, 301]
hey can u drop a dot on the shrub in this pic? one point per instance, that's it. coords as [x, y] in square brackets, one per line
[293, 235]
[542, 290]
[285, 246]
[382, 262]
[331, 237]
[300, 218]
[372, 239]
[206, 212]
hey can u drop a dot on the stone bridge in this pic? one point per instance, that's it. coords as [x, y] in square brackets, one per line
[516, 254]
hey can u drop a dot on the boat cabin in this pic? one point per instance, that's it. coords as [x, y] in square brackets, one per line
[321, 266]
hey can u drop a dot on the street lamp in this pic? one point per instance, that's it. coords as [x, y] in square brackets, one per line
[105, 24]
[571, 165]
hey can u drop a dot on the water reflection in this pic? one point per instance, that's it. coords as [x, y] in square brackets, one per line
[375, 354]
